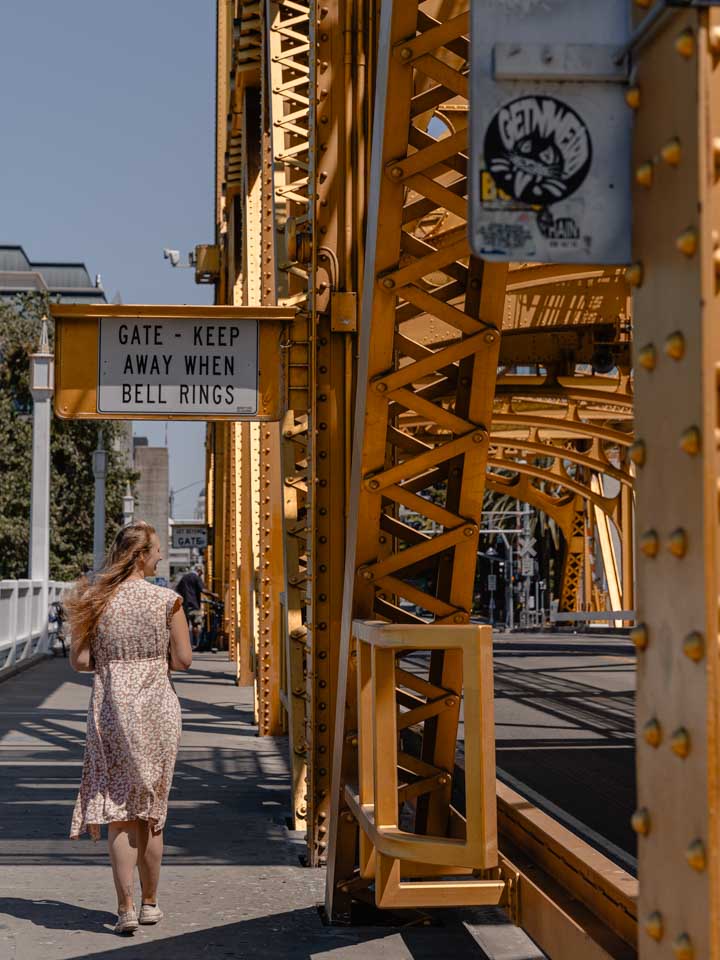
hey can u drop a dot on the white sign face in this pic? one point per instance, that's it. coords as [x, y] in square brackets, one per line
[176, 366]
[550, 154]
[189, 537]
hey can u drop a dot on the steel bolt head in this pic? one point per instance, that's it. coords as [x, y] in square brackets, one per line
[685, 43]
[678, 543]
[405, 53]
[690, 441]
[644, 175]
[367, 574]
[632, 97]
[396, 172]
[388, 283]
[647, 357]
[374, 484]
[652, 733]
[490, 337]
[381, 387]
[640, 821]
[639, 636]
[675, 346]
[670, 152]
[694, 646]
[695, 855]
[469, 531]
[637, 453]
[650, 543]
[686, 243]
[683, 947]
[654, 927]
[680, 742]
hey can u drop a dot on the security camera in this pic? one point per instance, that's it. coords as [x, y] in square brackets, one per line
[172, 255]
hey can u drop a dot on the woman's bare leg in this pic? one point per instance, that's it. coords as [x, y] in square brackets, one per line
[123, 846]
[150, 851]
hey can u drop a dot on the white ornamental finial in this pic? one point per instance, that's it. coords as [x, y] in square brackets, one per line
[44, 339]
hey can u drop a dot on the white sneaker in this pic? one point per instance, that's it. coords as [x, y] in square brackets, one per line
[150, 913]
[126, 922]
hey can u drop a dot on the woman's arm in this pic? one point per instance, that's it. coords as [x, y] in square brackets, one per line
[180, 649]
[82, 659]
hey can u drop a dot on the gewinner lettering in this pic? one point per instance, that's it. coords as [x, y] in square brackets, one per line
[167, 365]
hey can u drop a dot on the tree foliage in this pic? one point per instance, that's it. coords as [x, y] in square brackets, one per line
[71, 446]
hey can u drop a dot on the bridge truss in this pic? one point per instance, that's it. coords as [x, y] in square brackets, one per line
[420, 382]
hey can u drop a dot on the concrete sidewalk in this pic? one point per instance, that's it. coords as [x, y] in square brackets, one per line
[232, 883]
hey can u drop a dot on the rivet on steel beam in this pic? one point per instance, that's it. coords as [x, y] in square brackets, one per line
[381, 386]
[640, 821]
[714, 40]
[443, 779]
[695, 855]
[647, 357]
[685, 43]
[490, 337]
[373, 484]
[686, 243]
[694, 646]
[450, 701]
[650, 543]
[405, 53]
[459, 617]
[670, 152]
[644, 175]
[639, 636]
[652, 733]
[632, 97]
[654, 926]
[396, 172]
[690, 441]
[678, 542]
[634, 274]
[675, 346]
[637, 453]
[366, 574]
[469, 531]
[479, 436]
[683, 947]
[388, 283]
[680, 742]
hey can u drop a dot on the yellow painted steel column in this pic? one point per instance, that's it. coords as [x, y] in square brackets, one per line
[676, 315]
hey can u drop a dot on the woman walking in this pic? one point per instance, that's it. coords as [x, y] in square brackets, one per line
[131, 633]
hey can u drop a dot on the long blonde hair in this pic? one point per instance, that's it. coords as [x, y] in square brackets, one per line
[88, 600]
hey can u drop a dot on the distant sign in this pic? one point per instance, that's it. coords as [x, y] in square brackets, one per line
[189, 537]
[550, 132]
[117, 361]
[177, 366]
[492, 581]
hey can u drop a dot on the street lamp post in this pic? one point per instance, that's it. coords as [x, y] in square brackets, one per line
[42, 378]
[42, 381]
[99, 472]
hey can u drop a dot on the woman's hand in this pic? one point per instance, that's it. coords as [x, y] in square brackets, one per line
[82, 659]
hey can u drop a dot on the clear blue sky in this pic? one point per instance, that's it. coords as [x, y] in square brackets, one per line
[108, 133]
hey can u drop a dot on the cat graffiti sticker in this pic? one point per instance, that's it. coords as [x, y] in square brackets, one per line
[550, 132]
[537, 150]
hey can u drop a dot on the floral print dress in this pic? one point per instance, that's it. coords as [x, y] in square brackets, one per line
[133, 725]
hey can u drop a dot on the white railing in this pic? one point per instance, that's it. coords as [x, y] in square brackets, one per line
[24, 627]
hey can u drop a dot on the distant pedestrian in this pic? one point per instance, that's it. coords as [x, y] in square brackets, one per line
[191, 588]
[131, 633]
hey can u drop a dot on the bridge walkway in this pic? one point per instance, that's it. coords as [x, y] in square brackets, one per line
[232, 885]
